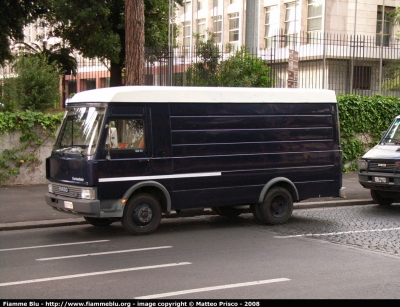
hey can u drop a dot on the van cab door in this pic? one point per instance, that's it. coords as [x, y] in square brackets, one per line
[127, 154]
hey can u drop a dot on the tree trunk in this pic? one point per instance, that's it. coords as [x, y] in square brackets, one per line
[115, 74]
[134, 40]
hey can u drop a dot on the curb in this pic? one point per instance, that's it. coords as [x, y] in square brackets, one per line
[42, 224]
[81, 221]
[333, 203]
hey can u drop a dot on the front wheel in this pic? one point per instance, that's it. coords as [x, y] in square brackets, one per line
[383, 201]
[276, 208]
[142, 214]
[98, 222]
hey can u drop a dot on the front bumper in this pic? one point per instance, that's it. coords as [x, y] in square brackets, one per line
[84, 207]
[380, 181]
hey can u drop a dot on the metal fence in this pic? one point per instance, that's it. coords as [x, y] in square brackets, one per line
[343, 63]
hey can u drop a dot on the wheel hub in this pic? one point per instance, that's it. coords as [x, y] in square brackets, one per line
[142, 214]
[278, 207]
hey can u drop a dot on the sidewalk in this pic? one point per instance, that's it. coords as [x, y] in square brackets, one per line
[23, 207]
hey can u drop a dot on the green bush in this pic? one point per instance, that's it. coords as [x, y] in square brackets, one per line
[241, 69]
[244, 70]
[204, 71]
[35, 86]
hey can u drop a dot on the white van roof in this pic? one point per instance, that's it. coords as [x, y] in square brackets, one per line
[179, 94]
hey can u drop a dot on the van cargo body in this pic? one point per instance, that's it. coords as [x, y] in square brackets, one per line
[135, 154]
[379, 168]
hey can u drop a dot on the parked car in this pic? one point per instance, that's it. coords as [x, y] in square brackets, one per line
[379, 168]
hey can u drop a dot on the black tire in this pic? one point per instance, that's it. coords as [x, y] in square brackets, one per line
[276, 209]
[380, 200]
[226, 211]
[142, 214]
[98, 222]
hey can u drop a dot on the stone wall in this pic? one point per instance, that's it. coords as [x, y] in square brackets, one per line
[29, 175]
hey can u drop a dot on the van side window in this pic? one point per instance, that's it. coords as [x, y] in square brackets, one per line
[125, 133]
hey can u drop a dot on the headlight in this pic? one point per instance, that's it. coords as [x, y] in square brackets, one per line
[88, 194]
[50, 188]
[362, 164]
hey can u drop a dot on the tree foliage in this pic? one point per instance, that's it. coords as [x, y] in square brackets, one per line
[36, 87]
[241, 69]
[14, 15]
[57, 54]
[204, 71]
[97, 28]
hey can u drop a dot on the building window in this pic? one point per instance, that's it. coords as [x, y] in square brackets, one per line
[217, 28]
[292, 26]
[188, 7]
[234, 27]
[30, 34]
[314, 19]
[362, 77]
[271, 25]
[201, 5]
[383, 23]
[90, 84]
[216, 3]
[186, 33]
[201, 27]
[104, 82]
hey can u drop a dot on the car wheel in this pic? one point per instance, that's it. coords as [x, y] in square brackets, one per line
[142, 214]
[276, 209]
[380, 200]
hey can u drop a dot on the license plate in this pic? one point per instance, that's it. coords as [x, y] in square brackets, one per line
[379, 179]
[68, 204]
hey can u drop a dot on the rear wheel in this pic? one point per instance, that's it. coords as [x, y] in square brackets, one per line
[98, 222]
[276, 209]
[381, 200]
[142, 214]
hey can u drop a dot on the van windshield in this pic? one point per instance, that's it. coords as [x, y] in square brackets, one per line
[393, 134]
[80, 130]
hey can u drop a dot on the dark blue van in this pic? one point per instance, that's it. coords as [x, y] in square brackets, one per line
[135, 154]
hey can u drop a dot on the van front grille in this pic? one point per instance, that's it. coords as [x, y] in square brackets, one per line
[67, 190]
[382, 167]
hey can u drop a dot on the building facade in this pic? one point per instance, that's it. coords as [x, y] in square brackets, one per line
[228, 20]
[338, 44]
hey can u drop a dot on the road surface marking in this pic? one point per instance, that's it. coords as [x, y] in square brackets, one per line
[91, 274]
[244, 284]
[52, 245]
[104, 253]
[336, 233]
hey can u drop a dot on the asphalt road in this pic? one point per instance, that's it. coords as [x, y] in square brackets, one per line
[316, 255]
